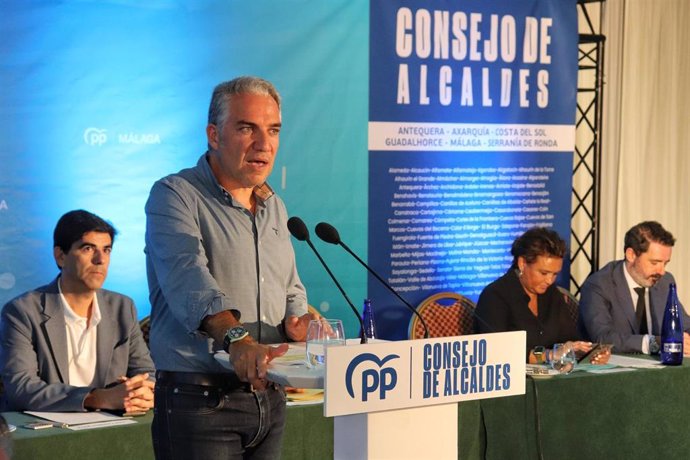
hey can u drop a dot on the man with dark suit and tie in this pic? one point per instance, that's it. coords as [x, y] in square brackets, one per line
[623, 303]
[70, 345]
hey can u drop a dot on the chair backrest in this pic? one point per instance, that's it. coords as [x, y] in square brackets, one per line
[446, 314]
[571, 302]
[145, 326]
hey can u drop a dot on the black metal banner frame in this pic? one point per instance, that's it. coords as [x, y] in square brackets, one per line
[584, 241]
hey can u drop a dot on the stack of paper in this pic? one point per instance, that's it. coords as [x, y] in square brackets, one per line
[82, 420]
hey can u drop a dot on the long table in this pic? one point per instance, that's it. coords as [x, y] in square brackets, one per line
[308, 435]
[630, 414]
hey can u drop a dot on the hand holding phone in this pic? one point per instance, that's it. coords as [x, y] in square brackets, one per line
[597, 349]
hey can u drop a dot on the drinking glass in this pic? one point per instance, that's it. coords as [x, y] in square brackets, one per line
[563, 358]
[323, 333]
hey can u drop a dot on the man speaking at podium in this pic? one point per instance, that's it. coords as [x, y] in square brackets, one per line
[221, 266]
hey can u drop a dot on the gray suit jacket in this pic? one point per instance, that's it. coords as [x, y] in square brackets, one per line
[607, 310]
[33, 350]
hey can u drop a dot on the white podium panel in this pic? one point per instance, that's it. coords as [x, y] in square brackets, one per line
[418, 433]
[398, 400]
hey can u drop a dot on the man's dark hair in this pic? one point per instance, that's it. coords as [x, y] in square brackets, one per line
[639, 237]
[535, 242]
[74, 224]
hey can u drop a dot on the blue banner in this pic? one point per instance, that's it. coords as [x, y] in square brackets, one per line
[471, 134]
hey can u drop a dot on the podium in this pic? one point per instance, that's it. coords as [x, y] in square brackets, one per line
[398, 400]
[426, 432]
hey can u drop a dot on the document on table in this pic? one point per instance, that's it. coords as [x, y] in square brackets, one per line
[631, 361]
[82, 420]
[622, 363]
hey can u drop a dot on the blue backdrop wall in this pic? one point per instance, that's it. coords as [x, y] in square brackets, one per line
[98, 99]
[101, 98]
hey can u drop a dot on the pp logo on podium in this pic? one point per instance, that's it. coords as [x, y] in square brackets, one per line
[380, 378]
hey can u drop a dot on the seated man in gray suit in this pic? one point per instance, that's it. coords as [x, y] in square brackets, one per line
[623, 303]
[70, 345]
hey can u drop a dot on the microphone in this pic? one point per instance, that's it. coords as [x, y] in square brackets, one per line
[299, 230]
[329, 234]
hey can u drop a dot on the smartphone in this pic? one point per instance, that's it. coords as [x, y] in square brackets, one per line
[38, 425]
[596, 348]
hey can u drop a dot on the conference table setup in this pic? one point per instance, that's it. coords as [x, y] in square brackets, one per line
[613, 412]
[308, 435]
[451, 166]
[610, 411]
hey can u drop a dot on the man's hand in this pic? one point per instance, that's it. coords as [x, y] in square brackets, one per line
[296, 327]
[134, 394]
[250, 360]
[601, 356]
[140, 394]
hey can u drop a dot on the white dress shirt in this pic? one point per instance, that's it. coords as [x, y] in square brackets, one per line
[632, 284]
[81, 342]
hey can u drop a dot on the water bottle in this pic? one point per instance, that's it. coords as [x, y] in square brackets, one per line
[368, 320]
[672, 330]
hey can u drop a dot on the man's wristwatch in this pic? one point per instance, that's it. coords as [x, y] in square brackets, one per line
[540, 354]
[653, 345]
[234, 334]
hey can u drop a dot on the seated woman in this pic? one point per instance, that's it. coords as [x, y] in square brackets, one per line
[526, 298]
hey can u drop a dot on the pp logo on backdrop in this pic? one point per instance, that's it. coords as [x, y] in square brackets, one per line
[95, 136]
[381, 379]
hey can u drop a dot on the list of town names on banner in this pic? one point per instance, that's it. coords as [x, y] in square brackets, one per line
[451, 226]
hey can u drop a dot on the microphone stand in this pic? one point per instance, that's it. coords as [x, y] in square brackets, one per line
[299, 230]
[329, 234]
[363, 337]
[393, 291]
